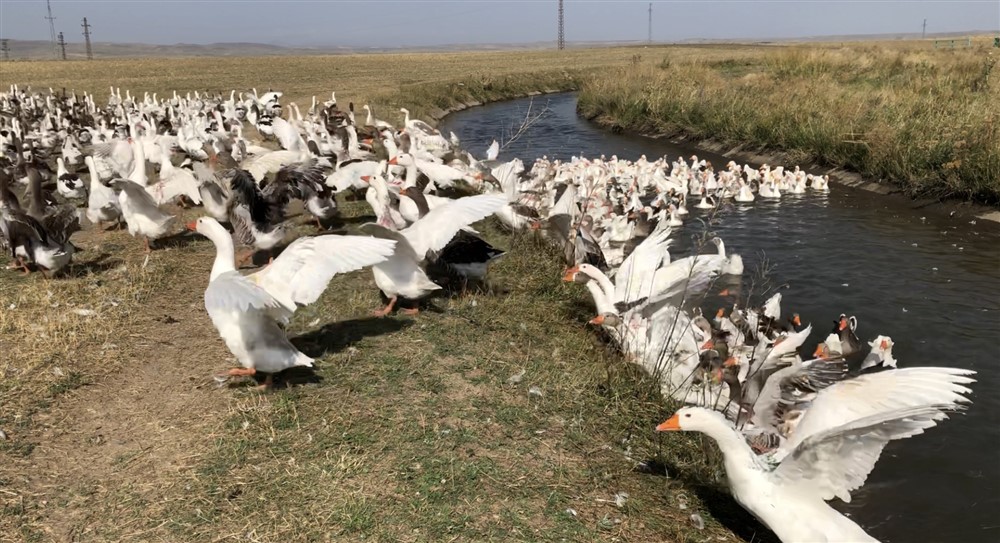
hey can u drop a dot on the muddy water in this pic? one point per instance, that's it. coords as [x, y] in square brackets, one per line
[930, 281]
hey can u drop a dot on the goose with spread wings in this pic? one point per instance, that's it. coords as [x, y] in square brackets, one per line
[249, 311]
[789, 496]
[403, 274]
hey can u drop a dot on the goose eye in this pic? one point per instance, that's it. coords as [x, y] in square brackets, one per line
[687, 415]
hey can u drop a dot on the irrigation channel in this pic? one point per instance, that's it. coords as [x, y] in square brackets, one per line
[928, 280]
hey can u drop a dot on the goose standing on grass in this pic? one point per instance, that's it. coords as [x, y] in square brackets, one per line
[141, 213]
[174, 182]
[42, 240]
[249, 311]
[257, 214]
[69, 185]
[403, 274]
[102, 203]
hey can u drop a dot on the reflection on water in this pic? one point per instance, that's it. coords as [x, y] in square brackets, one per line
[930, 281]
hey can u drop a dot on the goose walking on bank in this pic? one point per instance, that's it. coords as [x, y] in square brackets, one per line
[403, 274]
[249, 311]
[141, 213]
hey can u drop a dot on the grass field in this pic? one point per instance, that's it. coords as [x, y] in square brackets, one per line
[904, 113]
[422, 82]
[415, 430]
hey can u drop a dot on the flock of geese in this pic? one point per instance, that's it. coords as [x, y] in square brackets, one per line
[794, 432]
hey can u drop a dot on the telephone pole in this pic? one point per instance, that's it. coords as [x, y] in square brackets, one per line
[649, 37]
[923, 35]
[86, 38]
[62, 45]
[561, 41]
[5, 48]
[52, 28]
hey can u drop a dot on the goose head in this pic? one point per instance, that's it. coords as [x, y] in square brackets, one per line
[579, 274]
[606, 319]
[696, 419]
[881, 353]
[208, 227]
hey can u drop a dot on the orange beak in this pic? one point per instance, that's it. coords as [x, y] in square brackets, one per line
[708, 345]
[843, 324]
[796, 320]
[725, 292]
[570, 274]
[730, 362]
[670, 425]
[598, 320]
[367, 141]
[192, 226]
[720, 313]
[366, 178]
[884, 345]
[537, 225]
[393, 161]
[820, 351]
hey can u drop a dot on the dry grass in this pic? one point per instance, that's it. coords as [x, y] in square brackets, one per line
[418, 81]
[924, 119]
[412, 432]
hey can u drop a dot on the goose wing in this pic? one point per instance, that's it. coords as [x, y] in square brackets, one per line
[234, 292]
[835, 462]
[61, 223]
[260, 166]
[303, 270]
[494, 151]
[635, 275]
[435, 230]
[869, 394]
[140, 201]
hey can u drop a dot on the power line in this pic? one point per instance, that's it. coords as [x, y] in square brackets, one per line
[923, 34]
[561, 40]
[52, 29]
[62, 45]
[86, 38]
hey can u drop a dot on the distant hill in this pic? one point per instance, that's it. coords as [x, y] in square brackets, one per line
[40, 49]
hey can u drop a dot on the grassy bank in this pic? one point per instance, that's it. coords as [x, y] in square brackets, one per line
[414, 430]
[923, 119]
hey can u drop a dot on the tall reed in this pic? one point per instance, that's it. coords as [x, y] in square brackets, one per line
[925, 120]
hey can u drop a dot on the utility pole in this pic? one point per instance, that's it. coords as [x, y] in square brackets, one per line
[86, 38]
[5, 48]
[923, 35]
[561, 41]
[52, 28]
[62, 45]
[649, 36]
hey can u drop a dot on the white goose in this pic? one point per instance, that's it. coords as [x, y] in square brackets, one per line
[247, 310]
[102, 203]
[790, 496]
[174, 182]
[745, 195]
[141, 213]
[67, 184]
[402, 274]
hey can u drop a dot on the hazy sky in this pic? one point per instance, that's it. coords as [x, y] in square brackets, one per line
[387, 23]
